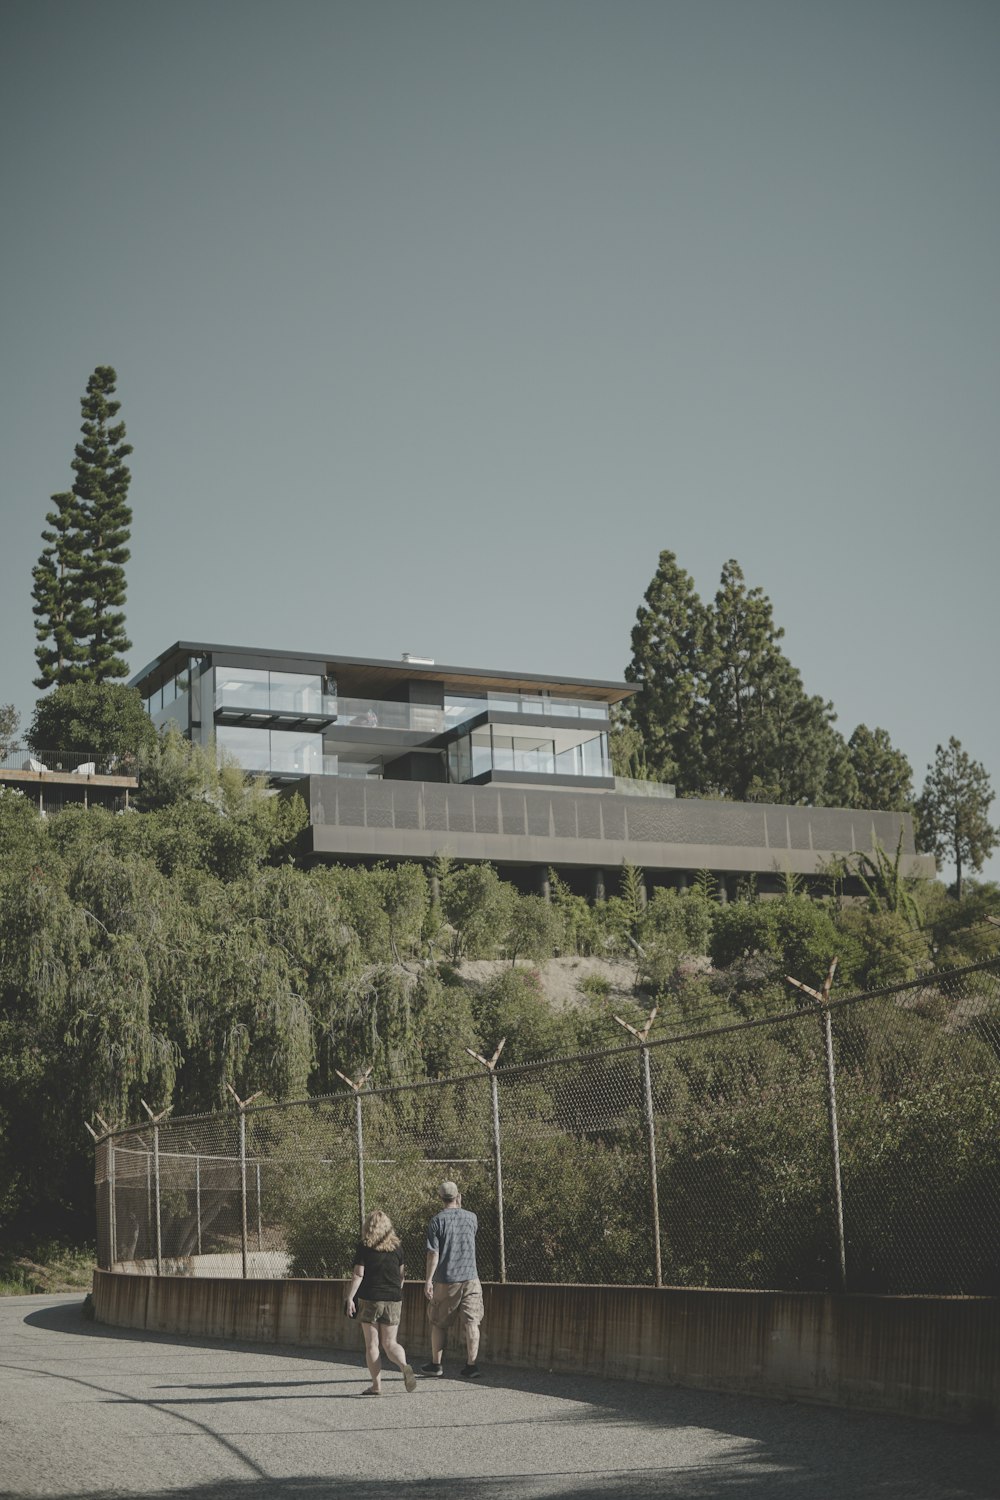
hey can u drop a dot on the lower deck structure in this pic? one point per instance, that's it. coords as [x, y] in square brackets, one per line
[586, 835]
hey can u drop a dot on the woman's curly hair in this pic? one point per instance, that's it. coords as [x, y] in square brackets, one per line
[378, 1233]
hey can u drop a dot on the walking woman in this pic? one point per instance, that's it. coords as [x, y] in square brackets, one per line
[378, 1276]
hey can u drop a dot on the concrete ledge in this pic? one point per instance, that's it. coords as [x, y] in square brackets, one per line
[935, 1357]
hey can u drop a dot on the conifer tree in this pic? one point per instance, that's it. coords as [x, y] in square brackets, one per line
[884, 775]
[60, 655]
[667, 663]
[953, 810]
[765, 738]
[101, 488]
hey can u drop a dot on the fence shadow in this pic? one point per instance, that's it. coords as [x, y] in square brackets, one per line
[768, 1449]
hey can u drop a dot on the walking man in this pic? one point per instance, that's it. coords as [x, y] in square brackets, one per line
[452, 1288]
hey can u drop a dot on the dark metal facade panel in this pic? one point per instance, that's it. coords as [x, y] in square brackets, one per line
[512, 811]
[501, 820]
[487, 812]
[405, 804]
[539, 807]
[564, 817]
[588, 817]
[613, 825]
[434, 799]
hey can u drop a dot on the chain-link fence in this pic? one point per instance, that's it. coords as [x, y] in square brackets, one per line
[852, 1144]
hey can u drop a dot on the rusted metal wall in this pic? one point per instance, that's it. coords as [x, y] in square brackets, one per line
[933, 1357]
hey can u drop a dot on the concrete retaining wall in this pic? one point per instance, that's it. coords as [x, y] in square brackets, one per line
[921, 1356]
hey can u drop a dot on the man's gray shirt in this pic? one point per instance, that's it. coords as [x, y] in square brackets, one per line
[452, 1233]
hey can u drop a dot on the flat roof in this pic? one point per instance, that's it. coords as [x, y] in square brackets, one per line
[365, 677]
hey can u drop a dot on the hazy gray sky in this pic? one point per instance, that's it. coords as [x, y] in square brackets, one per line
[435, 322]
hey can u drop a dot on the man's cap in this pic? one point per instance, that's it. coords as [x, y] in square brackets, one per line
[448, 1190]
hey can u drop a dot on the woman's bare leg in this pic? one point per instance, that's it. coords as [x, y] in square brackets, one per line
[393, 1349]
[371, 1355]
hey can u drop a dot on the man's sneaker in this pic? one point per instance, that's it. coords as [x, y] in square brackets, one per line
[430, 1368]
[470, 1371]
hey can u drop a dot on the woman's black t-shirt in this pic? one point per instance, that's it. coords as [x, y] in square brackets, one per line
[383, 1280]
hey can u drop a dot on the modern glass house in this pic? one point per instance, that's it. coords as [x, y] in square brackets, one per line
[407, 759]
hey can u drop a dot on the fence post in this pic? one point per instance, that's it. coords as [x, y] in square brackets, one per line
[359, 1131]
[260, 1242]
[490, 1065]
[156, 1178]
[243, 1103]
[642, 1035]
[197, 1196]
[112, 1210]
[822, 998]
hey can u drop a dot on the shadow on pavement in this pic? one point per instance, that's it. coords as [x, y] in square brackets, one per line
[775, 1450]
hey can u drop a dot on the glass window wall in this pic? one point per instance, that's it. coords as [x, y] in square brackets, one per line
[491, 749]
[250, 748]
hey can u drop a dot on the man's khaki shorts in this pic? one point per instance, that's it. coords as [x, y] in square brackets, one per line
[462, 1300]
[380, 1312]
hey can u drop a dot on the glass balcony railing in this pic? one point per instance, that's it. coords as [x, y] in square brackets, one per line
[632, 788]
[458, 709]
[258, 697]
[250, 698]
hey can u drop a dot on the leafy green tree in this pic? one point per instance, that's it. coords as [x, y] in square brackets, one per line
[105, 719]
[57, 592]
[477, 903]
[101, 488]
[952, 811]
[533, 928]
[883, 773]
[10, 721]
[668, 641]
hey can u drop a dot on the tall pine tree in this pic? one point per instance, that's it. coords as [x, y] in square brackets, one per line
[60, 654]
[102, 481]
[667, 665]
[765, 738]
[79, 587]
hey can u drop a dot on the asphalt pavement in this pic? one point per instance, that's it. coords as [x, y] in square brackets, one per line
[95, 1413]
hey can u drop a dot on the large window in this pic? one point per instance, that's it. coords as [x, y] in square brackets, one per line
[277, 692]
[285, 752]
[494, 749]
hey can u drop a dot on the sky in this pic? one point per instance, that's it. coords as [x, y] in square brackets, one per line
[435, 321]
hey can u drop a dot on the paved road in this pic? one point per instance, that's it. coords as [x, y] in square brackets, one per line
[92, 1412]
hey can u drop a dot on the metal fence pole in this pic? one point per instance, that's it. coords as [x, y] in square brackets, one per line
[360, 1134]
[149, 1202]
[243, 1103]
[156, 1160]
[243, 1191]
[831, 1109]
[197, 1197]
[641, 1034]
[490, 1063]
[356, 1085]
[498, 1170]
[112, 1213]
[647, 1087]
[822, 998]
[260, 1244]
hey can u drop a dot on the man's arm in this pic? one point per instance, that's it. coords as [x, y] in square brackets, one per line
[431, 1267]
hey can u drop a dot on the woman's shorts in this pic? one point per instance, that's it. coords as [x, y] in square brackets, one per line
[380, 1312]
[456, 1299]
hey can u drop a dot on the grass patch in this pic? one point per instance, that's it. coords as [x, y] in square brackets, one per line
[56, 1269]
